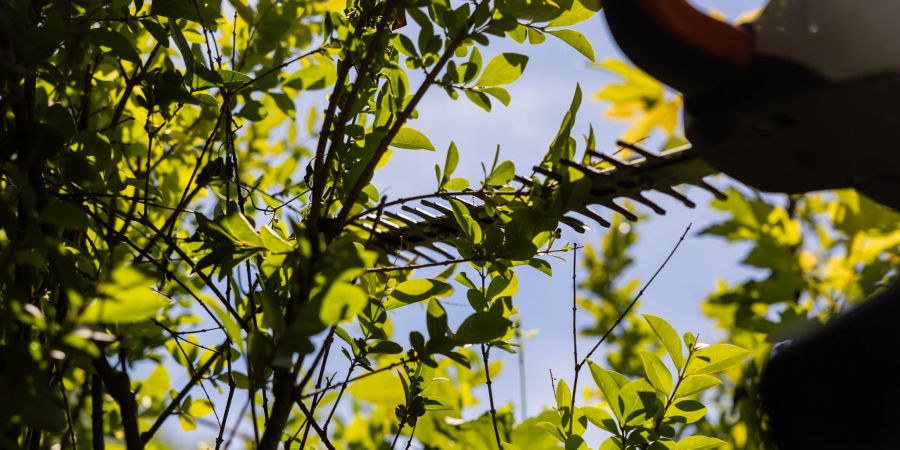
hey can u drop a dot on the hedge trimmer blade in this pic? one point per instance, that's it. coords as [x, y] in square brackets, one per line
[412, 229]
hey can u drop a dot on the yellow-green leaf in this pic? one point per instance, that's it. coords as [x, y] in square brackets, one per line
[342, 301]
[126, 297]
[410, 139]
[504, 68]
[715, 358]
[668, 337]
[657, 372]
[575, 40]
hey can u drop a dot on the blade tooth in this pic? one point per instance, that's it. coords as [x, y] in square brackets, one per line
[678, 196]
[429, 219]
[399, 254]
[621, 165]
[418, 212]
[365, 226]
[523, 180]
[639, 197]
[712, 190]
[436, 249]
[469, 204]
[648, 155]
[588, 170]
[621, 210]
[594, 216]
[437, 207]
[421, 254]
[575, 224]
[401, 218]
[547, 173]
[388, 224]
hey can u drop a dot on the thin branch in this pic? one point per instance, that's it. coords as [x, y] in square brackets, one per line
[315, 425]
[636, 298]
[485, 355]
[97, 413]
[170, 408]
[574, 336]
[356, 378]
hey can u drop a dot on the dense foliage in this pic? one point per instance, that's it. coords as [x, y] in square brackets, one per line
[171, 248]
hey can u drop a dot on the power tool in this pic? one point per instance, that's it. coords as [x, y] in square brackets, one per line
[803, 98]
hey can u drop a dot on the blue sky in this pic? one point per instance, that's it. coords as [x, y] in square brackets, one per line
[524, 130]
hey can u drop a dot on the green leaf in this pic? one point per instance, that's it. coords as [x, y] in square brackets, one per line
[452, 160]
[157, 31]
[199, 408]
[480, 99]
[342, 302]
[552, 429]
[600, 418]
[608, 386]
[273, 317]
[577, 41]
[126, 297]
[186, 54]
[456, 184]
[410, 139]
[119, 46]
[187, 423]
[381, 388]
[613, 443]
[436, 320]
[386, 348]
[157, 384]
[689, 340]
[638, 402]
[180, 9]
[700, 443]
[417, 290]
[563, 395]
[686, 411]
[502, 174]
[695, 384]
[466, 222]
[314, 76]
[228, 321]
[482, 327]
[205, 99]
[580, 11]
[273, 242]
[243, 10]
[233, 77]
[668, 337]
[657, 372]
[504, 68]
[499, 93]
[239, 227]
[715, 358]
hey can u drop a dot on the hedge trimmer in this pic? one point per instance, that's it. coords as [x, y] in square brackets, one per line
[805, 98]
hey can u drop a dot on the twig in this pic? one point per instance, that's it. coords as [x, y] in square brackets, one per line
[574, 336]
[315, 425]
[170, 408]
[485, 354]
[358, 377]
[635, 300]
